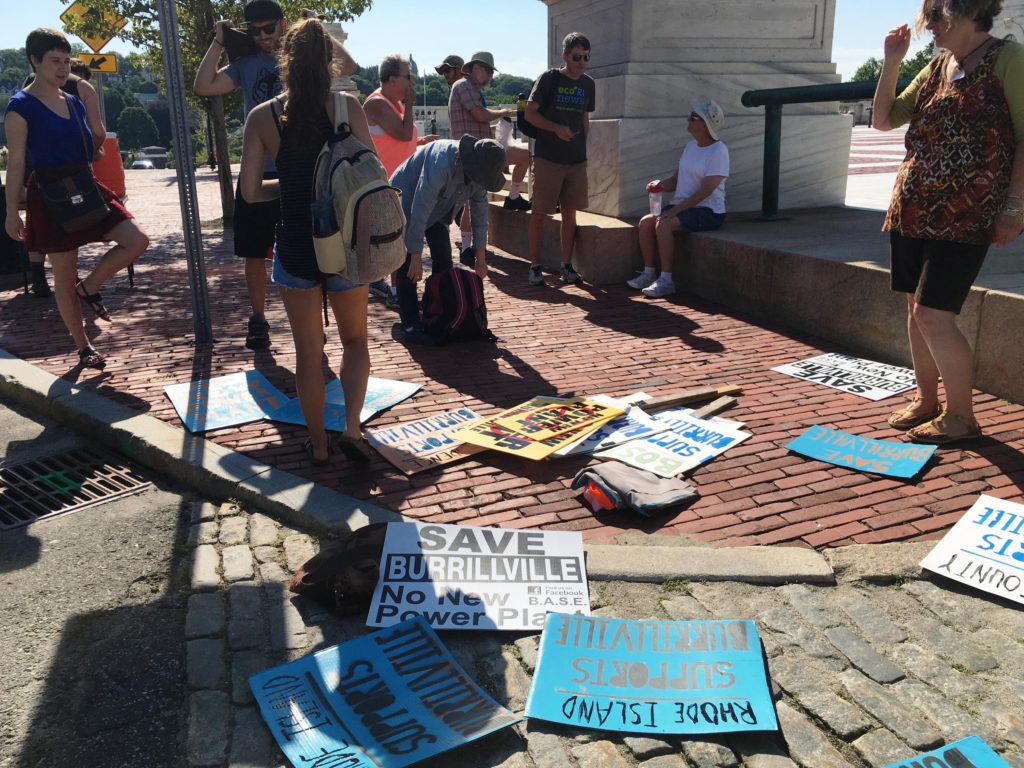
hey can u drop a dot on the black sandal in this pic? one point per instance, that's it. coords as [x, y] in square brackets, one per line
[94, 300]
[88, 357]
[308, 448]
[355, 450]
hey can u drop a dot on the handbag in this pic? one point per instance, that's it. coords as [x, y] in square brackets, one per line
[74, 202]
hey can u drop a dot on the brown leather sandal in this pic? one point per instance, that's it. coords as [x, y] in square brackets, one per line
[905, 418]
[952, 429]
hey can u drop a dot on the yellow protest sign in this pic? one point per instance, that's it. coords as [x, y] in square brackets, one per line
[100, 62]
[544, 417]
[103, 25]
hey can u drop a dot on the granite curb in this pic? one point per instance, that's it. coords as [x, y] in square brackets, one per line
[224, 474]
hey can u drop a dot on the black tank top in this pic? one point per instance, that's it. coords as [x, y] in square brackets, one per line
[295, 163]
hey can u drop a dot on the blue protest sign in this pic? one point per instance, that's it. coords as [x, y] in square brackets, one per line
[652, 676]
[864, 454]
[225, 401]
[971, 752]
[381, 394]
[385, 700]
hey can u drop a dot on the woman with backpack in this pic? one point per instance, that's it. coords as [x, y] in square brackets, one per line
[292, 128]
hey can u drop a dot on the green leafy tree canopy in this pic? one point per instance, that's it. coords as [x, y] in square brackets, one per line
[872, 68]
[136, 129]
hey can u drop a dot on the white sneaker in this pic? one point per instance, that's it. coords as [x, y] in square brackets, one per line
[659, 288]
[642, 280]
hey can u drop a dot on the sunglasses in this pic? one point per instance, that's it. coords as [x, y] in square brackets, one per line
[578, 57]
[935, 15]
[695, 116]
[261, 29]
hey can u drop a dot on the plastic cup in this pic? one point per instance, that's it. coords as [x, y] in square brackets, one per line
[655, 198]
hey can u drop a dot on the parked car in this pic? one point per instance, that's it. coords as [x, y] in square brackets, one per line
[142, 165]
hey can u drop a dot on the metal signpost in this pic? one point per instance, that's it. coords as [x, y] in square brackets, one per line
[183, 154]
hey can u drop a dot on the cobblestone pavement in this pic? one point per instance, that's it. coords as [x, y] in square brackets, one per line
[554, 339]
[864, 674]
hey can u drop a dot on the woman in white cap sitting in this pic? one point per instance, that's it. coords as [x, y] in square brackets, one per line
[698, 199]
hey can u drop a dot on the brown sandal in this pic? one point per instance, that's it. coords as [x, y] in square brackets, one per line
[94, 300]
[88, 357]
[905, 418]
[931, 433]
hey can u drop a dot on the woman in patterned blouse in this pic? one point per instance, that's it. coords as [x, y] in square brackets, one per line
[959, 189]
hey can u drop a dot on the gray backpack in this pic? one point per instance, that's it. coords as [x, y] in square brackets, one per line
[358, 223]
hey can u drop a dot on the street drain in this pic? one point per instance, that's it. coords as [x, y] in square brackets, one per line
[47, 486]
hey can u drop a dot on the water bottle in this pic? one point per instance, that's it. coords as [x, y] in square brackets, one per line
[655, 199]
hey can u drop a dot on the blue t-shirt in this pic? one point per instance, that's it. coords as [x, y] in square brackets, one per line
[53, 141]
[259, 80]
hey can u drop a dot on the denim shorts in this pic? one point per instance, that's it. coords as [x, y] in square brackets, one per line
[335, 283]
[700, 219]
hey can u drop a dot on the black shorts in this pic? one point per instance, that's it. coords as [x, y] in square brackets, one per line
[939, 273]
[254, 225]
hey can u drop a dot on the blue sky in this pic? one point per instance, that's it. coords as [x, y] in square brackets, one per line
[426, 30]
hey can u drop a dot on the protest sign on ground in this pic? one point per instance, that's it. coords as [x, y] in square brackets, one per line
[866, 378]
[384, 700]
[487, 434]
[463, 577]
[880, 457]
[971, 752]
[426, 443]
[225, 401]
[652, 677]
[633, 424]
[544, 417]
[381, 394]
[985, 549]
[689, 442]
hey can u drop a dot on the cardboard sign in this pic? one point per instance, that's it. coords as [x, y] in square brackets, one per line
[463, 577]
[225, 401]
[865, 378]
[381, 394]
[488, 434]
[689, 442]
[633, 424]
[686, 677]
[384, 700]
[419, 445]
[985, 549]
[971, 752]
[544, 417]
[880, 457]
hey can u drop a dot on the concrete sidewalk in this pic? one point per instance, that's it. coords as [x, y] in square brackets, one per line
[554, 340]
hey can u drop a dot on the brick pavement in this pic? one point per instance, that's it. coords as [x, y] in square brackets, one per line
[554, 340]
[864, 675]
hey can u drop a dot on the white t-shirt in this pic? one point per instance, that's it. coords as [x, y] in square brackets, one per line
[697, 163]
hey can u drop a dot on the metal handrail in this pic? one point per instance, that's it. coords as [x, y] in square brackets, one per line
[773, 99]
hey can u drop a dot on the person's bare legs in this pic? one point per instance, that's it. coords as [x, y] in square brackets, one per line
[519, 159]
[303, 310]
[535, 237]
[65, 273]
[567, 233]
[256, 285]
[350, 318]
[665, 230]
[952, 358]
[648, 240]
[129, 243]
[926, 372]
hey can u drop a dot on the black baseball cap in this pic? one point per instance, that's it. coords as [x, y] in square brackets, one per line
[263, 10]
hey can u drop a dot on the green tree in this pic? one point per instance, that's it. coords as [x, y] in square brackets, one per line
[136, 129]
[14, 69]
[872, 68]
[117, 98]
[195, 27]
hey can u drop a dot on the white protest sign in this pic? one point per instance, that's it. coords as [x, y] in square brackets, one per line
[426, 443]
[985, 549]
[461, 577]
[865, 378]
[689, 442]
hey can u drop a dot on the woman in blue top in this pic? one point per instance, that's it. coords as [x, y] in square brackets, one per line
[49, 127]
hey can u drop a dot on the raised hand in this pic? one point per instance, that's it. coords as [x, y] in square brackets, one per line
[897, 43]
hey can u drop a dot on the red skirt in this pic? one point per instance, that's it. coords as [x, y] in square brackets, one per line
[44, 235]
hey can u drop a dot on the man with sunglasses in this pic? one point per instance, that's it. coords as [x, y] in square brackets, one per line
[469, 115]
[559, 106]
[450, 69]
[256, 74]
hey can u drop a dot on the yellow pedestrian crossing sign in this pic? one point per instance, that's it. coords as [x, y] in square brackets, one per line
[102, 25]
[100, 62]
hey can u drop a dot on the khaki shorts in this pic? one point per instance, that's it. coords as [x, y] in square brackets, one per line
[559, 183]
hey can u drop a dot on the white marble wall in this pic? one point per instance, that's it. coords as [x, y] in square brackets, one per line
[1011, 21]
[650, 57]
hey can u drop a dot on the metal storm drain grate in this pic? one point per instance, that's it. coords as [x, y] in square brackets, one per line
[65, 482]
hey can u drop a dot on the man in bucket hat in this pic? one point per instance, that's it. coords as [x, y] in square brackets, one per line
[435, 183]
[450, 69]
[469, 114]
